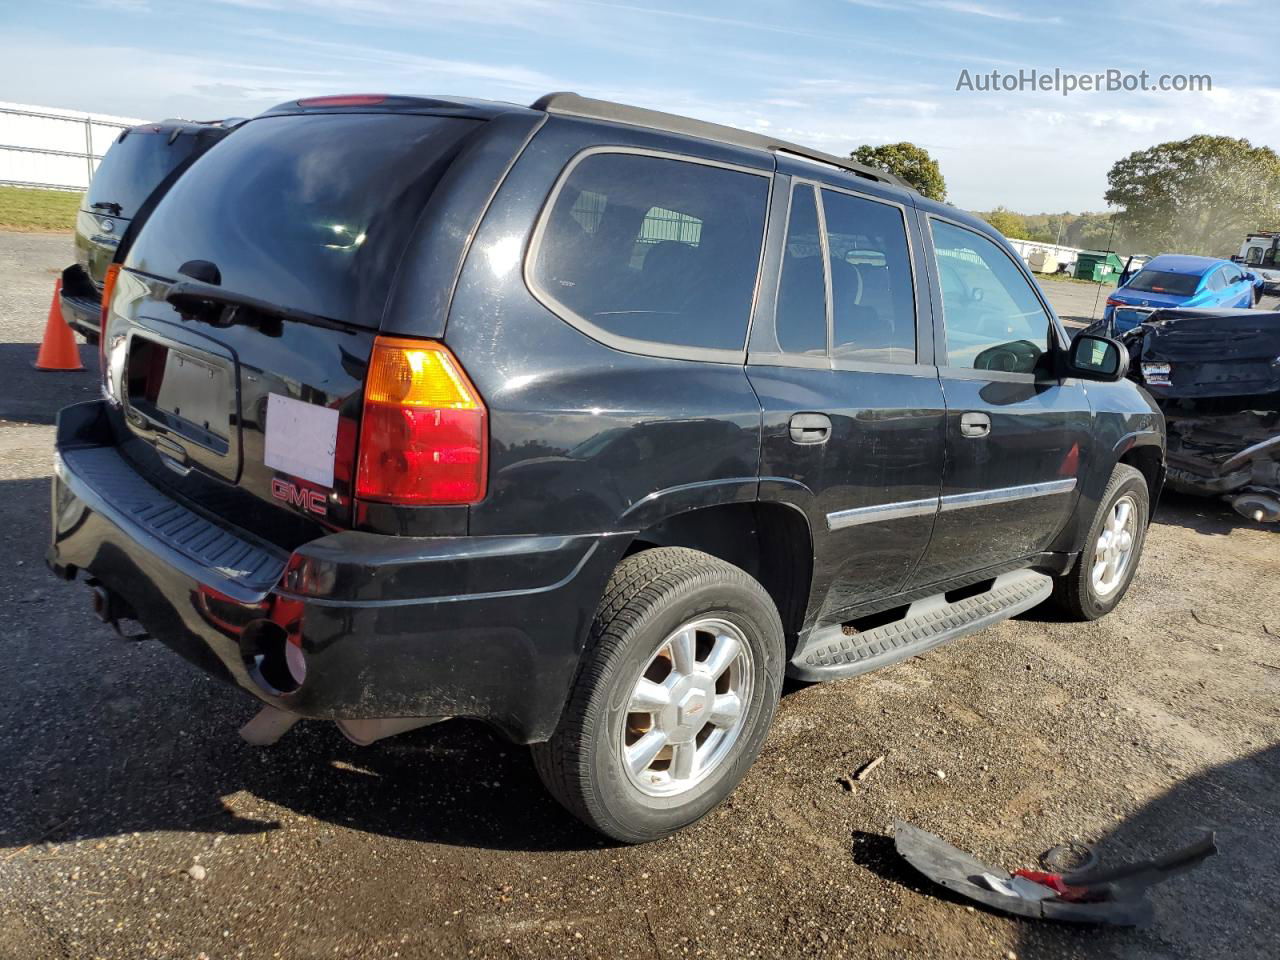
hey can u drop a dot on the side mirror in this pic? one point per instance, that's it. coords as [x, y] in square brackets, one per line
[1097, 358]
[1251, 277]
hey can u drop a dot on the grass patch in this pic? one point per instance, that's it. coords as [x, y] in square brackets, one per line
[23, 208]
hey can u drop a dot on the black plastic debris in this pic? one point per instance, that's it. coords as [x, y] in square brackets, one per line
[1097, 894]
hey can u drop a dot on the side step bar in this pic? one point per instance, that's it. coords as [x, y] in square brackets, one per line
[829, 653]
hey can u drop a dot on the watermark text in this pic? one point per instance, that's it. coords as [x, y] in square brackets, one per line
[1066, 82]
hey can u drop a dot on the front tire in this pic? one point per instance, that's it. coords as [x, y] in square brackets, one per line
[1102, 575]
[674, 697]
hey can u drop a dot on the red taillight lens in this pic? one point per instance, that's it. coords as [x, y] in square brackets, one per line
[345, 100]
[1113, 302]
[424, 438]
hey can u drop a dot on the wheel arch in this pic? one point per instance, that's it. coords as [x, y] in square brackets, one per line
[770, 540]
[1148, 458]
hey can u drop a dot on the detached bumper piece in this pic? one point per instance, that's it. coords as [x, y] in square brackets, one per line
[1099, 895]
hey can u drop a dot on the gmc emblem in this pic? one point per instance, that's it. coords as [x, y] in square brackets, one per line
[310, 500]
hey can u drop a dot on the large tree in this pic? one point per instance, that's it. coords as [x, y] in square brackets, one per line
[907, 162]
[1199, 195]
[1007, 222]
[1091, 231]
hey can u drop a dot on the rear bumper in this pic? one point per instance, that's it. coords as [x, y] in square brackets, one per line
[80, 303]
[486, 627]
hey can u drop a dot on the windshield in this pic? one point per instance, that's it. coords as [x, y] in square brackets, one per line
[307, 211]
[1161, 281]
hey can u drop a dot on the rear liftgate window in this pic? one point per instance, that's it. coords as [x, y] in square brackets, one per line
[311, 212]
[645, 251]
[132, 168]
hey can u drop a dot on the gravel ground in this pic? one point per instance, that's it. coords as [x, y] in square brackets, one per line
[138, 825]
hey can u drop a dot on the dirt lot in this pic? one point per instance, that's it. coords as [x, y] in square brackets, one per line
[122, 769]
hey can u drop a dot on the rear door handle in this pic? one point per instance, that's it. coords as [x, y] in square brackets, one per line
[974, 425]
[810, 428]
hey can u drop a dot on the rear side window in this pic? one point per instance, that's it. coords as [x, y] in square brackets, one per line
[309, 211]
[132, 168]
[1217, 280]
[873, 309]
[802, 289]
[648, 251]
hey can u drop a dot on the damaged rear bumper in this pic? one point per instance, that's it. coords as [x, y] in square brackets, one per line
[384, 627]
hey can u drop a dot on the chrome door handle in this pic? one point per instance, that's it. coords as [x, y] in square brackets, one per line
[810, 428]
[974, 425]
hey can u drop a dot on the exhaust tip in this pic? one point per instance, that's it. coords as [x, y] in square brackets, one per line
[276, 664]
[1258, 507]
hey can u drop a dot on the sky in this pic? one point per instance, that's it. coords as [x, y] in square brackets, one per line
[833, 74]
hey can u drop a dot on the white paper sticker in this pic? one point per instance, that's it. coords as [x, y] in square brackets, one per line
[301, 439]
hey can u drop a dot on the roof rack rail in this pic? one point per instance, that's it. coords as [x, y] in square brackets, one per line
[573, 105]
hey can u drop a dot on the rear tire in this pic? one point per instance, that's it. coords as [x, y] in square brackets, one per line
[674, 696]
[1111, 553]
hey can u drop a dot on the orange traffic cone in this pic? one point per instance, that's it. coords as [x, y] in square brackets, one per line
[58, 350]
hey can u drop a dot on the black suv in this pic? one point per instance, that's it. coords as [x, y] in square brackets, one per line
[141, 165]
[587, 421]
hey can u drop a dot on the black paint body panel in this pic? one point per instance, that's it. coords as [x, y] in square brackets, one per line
[484, 610]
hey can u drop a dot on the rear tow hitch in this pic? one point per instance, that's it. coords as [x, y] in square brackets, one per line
[111, 609]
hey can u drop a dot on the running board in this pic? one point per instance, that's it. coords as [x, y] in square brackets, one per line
[829, 653]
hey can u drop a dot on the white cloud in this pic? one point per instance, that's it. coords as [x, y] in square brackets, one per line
[120, 6]
[918, 108]
[988, 11]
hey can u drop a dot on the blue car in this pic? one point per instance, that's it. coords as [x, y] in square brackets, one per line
[1176, 280]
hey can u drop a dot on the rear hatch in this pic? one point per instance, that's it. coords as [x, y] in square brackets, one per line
[142, 159]
[242, 325]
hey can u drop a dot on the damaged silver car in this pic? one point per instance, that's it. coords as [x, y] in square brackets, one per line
[1216, 376]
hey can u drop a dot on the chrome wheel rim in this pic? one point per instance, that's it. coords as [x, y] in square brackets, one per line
[1114, 550]
[687, 707]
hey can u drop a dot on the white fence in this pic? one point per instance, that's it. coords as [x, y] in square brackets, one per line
[50, 147]
[1060, 254]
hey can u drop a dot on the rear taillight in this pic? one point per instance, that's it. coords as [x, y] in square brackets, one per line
[108, 288]
[1113, 302]
[424, 438]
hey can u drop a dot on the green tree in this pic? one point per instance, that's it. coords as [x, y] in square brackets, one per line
[1199, 195]
[1090, 231]
[907, 162]
[1007, 222]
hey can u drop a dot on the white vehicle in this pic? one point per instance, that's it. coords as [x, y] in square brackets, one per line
[1259, 253]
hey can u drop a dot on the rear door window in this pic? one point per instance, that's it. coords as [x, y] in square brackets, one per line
[648, 253]
[308, 211]
[801, 313]
[873, 294]
[132, 168]
[993, 318]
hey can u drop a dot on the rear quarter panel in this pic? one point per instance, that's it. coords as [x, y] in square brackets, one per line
[585, 438]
